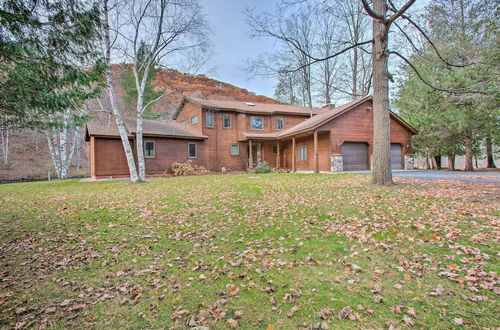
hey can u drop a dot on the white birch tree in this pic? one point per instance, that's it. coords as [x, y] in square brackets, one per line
[150, 34]
[5, 132]
[107, 47]
[62, 140]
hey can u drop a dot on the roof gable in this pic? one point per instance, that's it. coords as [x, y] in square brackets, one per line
[326, 116]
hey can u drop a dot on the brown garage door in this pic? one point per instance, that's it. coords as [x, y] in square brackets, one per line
[355, 156]
[396, 156]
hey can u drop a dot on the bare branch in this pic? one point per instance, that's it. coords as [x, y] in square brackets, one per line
[316, 60]
[429, 40]
[419, 75]
[401, 11]
[371, 12]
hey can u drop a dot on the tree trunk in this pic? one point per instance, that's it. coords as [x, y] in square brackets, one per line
[140, 84]
[140, 148]
[355, 70]
[114, 105]
[435, 164]
[5, 146]
[490, 159]
[451, 162]
[382, 174]
[469, 152]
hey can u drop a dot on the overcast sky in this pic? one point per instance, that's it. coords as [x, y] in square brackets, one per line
[232, 44]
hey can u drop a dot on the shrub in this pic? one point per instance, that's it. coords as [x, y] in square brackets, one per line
[187, 168]
[263, 167]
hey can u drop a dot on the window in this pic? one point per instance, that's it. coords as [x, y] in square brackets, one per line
[192, 150]
[226, 121]
[149, 149]
[275, 149]
[280, 123]
[194, 119]
[209, 119]
[256, 123]
[235, 149]
[182, 122]
[303, 153]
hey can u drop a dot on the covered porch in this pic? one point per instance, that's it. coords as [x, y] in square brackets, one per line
[295, 153]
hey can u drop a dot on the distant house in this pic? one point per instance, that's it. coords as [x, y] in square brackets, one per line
[239, 135]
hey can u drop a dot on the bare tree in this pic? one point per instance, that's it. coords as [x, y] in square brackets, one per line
[381, 167]
[328, 36]
[159, 30]
[298, 28]
[356, 23]
[62, 140]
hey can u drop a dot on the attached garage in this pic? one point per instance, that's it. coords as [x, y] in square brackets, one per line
[396, 156]
[355, 156]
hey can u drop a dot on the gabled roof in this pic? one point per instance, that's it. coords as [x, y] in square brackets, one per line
[158, 128]
[326, 116]
[248, 107]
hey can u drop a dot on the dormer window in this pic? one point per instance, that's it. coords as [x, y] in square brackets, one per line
[256, 123]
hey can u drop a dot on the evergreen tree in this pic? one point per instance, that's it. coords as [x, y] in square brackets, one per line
[48, 59]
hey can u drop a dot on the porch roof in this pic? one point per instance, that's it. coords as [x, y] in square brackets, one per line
[260, 136]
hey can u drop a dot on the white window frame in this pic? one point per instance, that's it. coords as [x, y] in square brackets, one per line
[231, 149]
[154, 148]
[282, 122]
[195, 150]
[261, 121]
[224, 121]
[206, 120]
[303, 156]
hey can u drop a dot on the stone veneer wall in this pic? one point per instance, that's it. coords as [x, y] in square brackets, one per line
[337, 163]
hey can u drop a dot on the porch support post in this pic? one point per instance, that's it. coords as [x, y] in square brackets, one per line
[316, 163]
[261, 147]
[293, 154]
[250, 155]
[277, 153]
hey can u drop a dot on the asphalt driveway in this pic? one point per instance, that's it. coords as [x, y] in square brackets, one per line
[447, 175]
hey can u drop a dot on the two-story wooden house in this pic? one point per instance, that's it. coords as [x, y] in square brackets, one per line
[238, 135]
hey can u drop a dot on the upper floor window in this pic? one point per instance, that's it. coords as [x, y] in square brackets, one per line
[209, 119]
[303, 153]
[226, 121]
[182, 122]
[192, 150]
[280, 123]
[256, 123]
[194, 119]
[235, 149]
[149, 149]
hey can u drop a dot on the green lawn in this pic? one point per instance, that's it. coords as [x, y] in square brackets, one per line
[276, 251]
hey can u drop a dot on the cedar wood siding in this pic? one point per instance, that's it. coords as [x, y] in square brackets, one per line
[217, 147]
[109, 157]
[324, 152]
[168, 151]
[357, 126]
